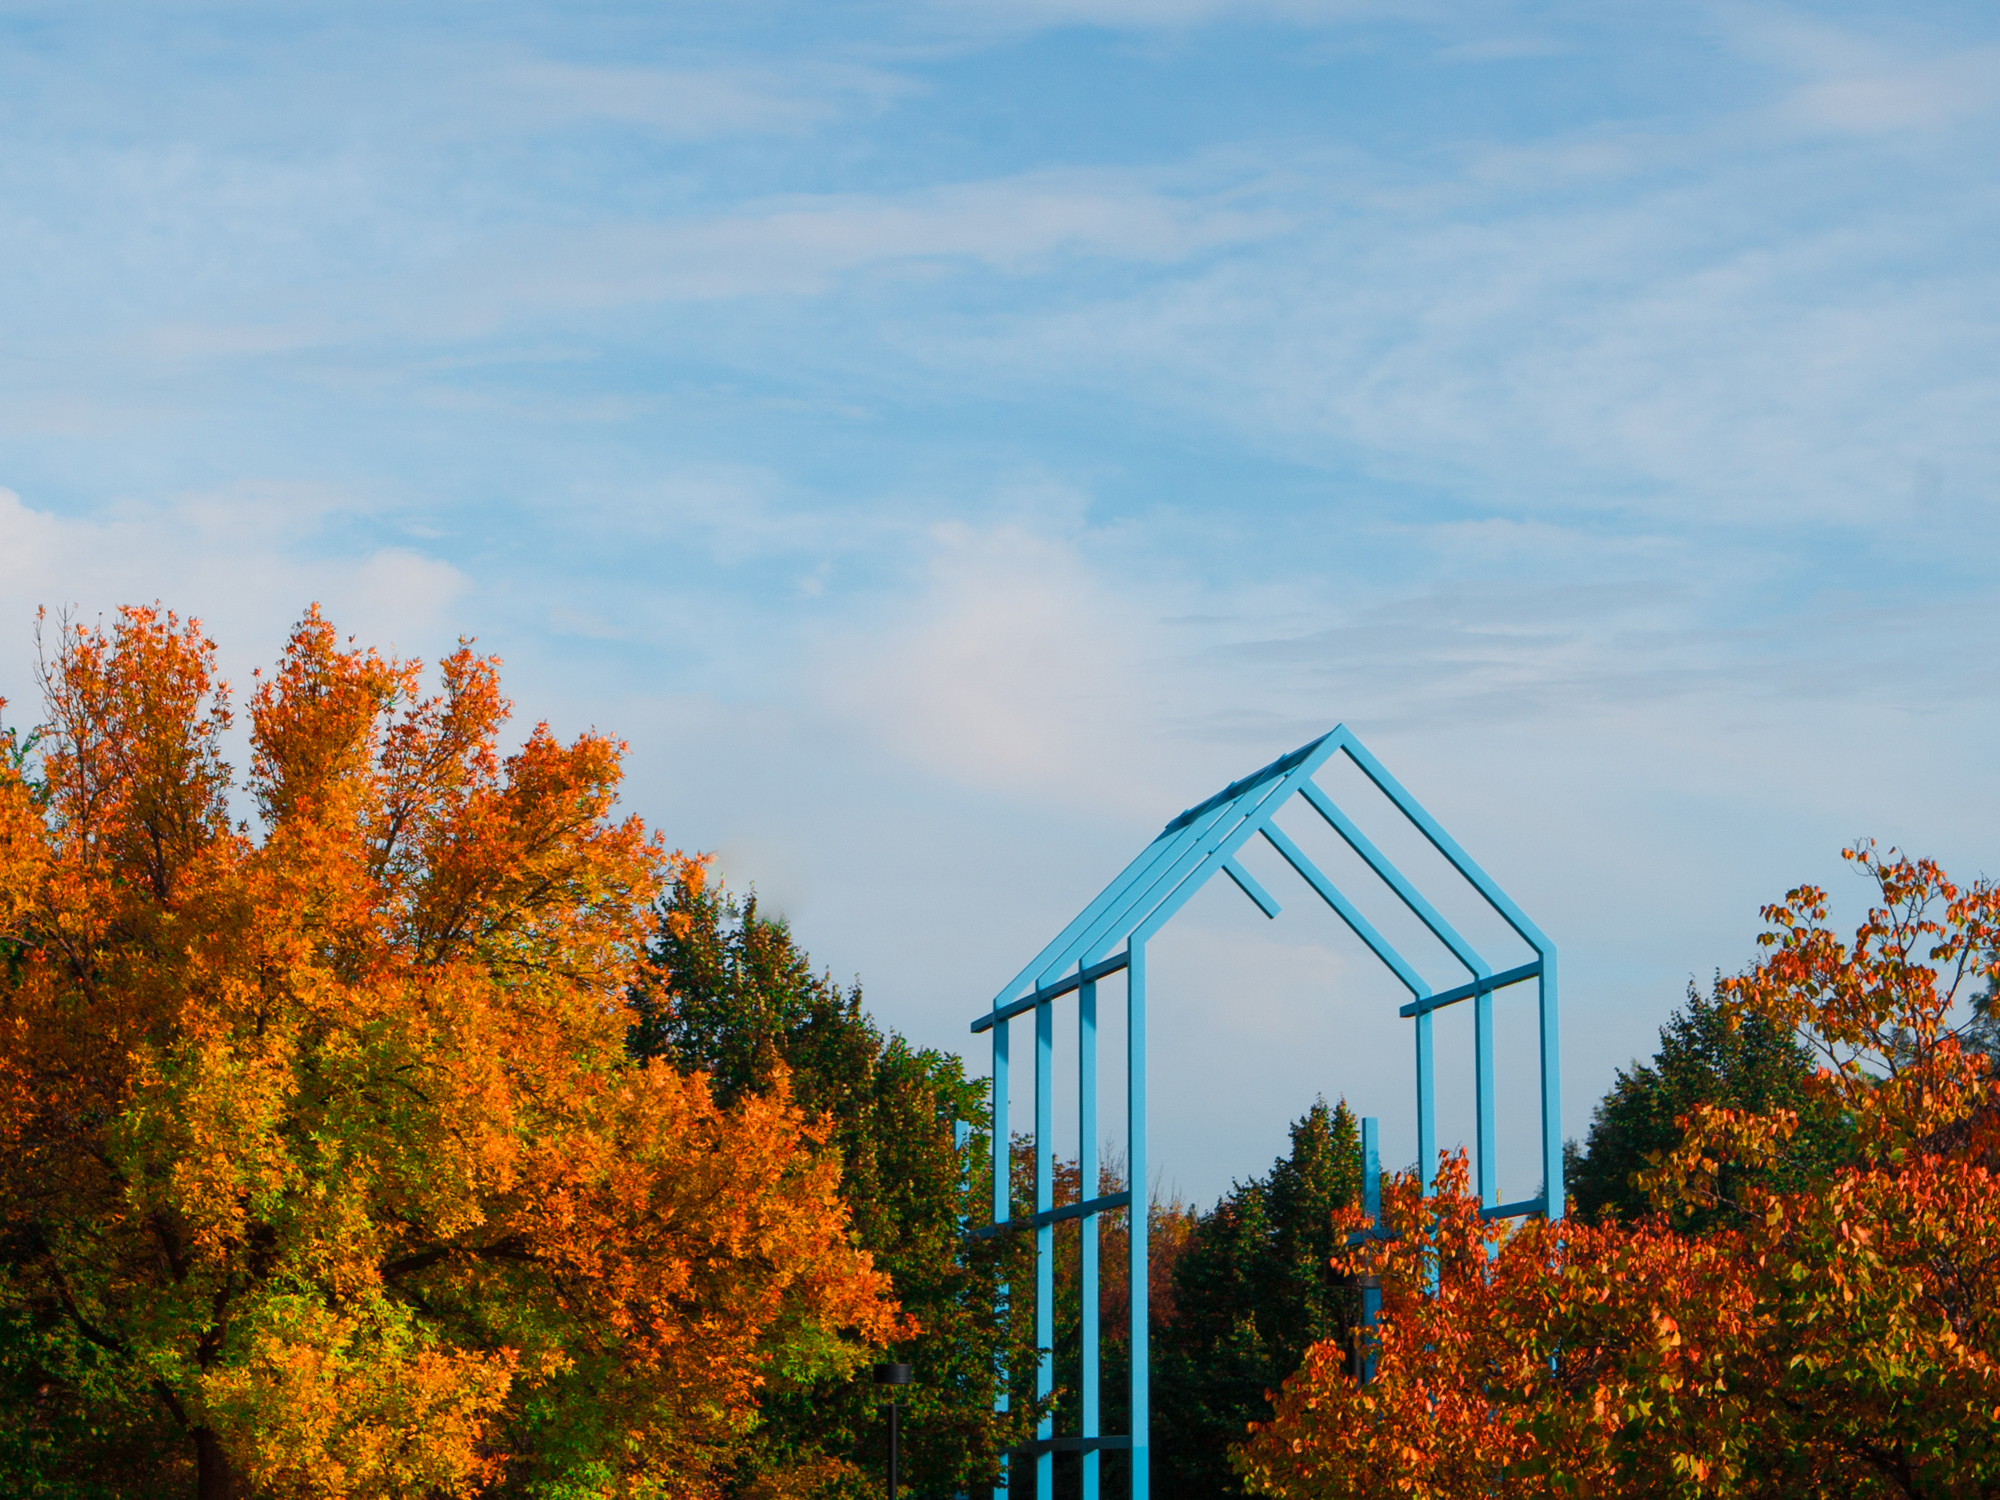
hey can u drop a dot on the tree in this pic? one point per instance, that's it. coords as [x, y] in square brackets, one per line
[1839, 1335]
[323, 1167]
[738, 1002]
[1708, 1055]
[1252, 1291]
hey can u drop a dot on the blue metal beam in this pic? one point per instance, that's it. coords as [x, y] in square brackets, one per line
[1045, 1231]
[1486, 986]
[1048, 992]
[1441, 841]
[1179, 851]
[1392, 877]
[1135, 1153]
[1362, 927]
[1003, 1207]
[1247, 884]
[1224, 844]
[1371, 1204]
[1086, 1182]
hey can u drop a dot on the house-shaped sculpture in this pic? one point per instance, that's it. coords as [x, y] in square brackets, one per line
[1109, 937]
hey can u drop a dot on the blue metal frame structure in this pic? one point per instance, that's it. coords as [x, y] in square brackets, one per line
[1110, 936]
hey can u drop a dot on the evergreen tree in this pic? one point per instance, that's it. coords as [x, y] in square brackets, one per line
[1703, 1059]
[739, 1001]
[1252, 1291]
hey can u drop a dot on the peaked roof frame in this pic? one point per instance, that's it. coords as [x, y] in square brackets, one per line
[1110, 935]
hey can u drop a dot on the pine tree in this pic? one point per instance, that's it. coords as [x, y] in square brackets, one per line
[1253, 1290]
[1703, 1059]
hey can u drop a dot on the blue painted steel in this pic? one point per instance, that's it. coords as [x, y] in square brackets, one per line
[1363, 928]
[1426, 1104]
[1486, 1164]
[1247, 884]
[1045, 1233]
[1145, 896]
[1371, 1204]
[1055, 1215]
[1429, 915]
[1052, 991]
[1135, 1184]
[1224, 847]
[1086, 1182]
[1554, 1201]
[1452, 996]
[1003, 1205]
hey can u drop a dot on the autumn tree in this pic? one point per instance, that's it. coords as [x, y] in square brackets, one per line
[323, 1167]
[737, 999]
[1709, 1055]
[1838, 1336]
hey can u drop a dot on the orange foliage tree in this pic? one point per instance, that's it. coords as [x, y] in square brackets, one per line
[323, 1168]
[1841, 1338]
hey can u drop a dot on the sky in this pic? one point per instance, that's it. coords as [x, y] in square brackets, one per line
[947, 439]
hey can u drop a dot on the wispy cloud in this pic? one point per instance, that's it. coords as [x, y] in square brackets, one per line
[702, 103]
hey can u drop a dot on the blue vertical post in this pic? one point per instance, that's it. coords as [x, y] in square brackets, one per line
[1426, 1106]
[1045, 1249]
[1003, 1210]
[961, 1132]
[1552, 1135]
[1371, 1204]
[1086, 1187]
[1135, 1149]
[1482, 1049]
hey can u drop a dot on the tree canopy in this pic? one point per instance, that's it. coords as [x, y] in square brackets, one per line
[1710, 1055]
[1253, 1289]
[739, 1002]
[1837, 1335]
[324, 1168]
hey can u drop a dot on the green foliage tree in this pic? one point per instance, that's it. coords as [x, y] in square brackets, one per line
[739, 1001]
[1253, 1289]
[1708, 1055]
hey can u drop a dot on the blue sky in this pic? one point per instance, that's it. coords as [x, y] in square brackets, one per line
[947, 439]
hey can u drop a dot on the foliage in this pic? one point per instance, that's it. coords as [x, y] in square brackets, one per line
[1234, 1298]
[323, 1168]
[1170, 1227]
[1839, 1336]
[1253, 1290]
[1709, 1055]
[741, 1003]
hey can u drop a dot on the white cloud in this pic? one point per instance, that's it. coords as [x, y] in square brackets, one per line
[1178, 14]
[802, 245]
[1858, 84]
[1013, 668]
[702, 103]
[246, 562]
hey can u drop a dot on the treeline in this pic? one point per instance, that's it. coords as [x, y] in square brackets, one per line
[437, 1131]
[1782, 1278]
[1238, 1293]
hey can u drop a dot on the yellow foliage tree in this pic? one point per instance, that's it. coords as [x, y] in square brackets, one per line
[323, 1168]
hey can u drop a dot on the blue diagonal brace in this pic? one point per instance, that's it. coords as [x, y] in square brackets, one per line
[1363, 928]
[1223, 841]
[1247, 883]
[1443, 842]
[1394, 878]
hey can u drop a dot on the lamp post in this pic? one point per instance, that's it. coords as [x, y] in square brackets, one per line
[892, 1376]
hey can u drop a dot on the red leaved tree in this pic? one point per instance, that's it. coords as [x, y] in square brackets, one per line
[1844, 1340]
